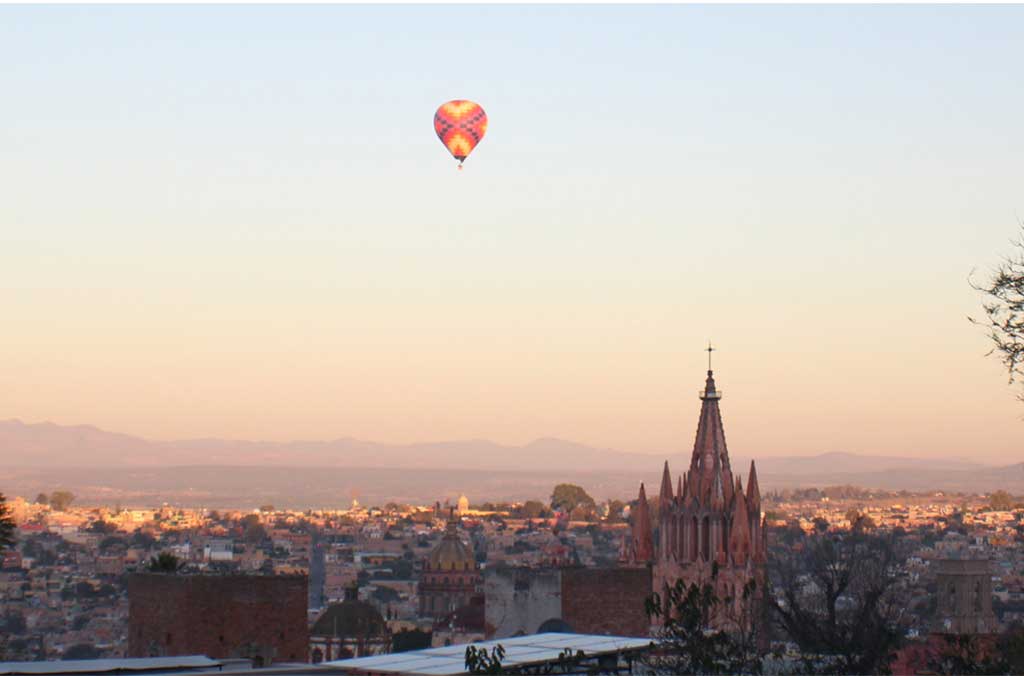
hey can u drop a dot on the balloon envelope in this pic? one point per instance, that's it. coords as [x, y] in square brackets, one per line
[460, 125]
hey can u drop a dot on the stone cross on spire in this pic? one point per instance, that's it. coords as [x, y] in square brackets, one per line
[709, 350]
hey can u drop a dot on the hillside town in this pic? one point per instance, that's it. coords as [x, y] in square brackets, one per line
[64, 595]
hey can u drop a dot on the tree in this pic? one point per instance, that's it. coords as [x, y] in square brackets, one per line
[110, 542]
[859, 522]
[165, 562]
[102, 527]
[255, 533]
[6, 525]
[82, 651]
[567, 497]
[479, 661]
[61, 500]
[615, 509]
[1004, 310]
[142, 539]
[533, 509]
[266, 509]
[14, 622]
[42, 499]
[835, 599]
[979, 654]
[1001, 501]
[699, 632]
[410, 639]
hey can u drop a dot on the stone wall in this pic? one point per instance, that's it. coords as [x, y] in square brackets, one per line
[582, 600]
[519, 600]
[606, 600]
[221, 616]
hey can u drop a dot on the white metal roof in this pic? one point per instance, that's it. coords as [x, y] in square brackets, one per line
[127, 664]
[519, 650]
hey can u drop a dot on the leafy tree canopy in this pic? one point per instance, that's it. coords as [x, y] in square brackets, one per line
[1004, 310]
[567, 497]
[164, 562]
[61, 500]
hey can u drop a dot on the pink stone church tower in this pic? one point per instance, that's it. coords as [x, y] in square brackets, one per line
[710, 520]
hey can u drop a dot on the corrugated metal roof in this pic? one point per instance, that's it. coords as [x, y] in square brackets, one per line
[519, 651]
[128, 664]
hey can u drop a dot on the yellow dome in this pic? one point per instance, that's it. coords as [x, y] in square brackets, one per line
[452, 553]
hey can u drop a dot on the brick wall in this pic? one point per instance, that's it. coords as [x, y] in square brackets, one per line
[606, 600]
[218, 616]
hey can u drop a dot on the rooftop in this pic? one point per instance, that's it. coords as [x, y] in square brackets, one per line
[520, 651]
[141, 665]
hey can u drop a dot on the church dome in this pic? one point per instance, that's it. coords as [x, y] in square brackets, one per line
[452, 553]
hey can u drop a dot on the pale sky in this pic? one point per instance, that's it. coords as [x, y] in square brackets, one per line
[238, 222]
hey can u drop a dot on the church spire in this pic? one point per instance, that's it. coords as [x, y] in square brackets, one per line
[665, 497]
[643, 535]
[753, 490]
[710, 453]
[739, 534]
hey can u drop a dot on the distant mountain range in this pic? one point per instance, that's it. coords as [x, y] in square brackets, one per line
[103, 466]
[49, 445]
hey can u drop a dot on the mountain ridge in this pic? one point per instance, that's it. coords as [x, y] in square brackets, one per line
[47, 443]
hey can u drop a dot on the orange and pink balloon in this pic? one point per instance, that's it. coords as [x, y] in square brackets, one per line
[460, 125]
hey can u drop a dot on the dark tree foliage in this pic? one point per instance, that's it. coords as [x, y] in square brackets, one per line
[410, 639]
[61, 500]
[479, 661]
[103, 527]
[165, 562]
[615, 509]
[567, 497]
[981, 655]
[14, 622]
[699, 634]
[6, 525]
[82, 651]
[1004, 310]
[532, 509]
[253, 530]
[111, 542]
[142, 539]
[1001, 501]
[834, 597]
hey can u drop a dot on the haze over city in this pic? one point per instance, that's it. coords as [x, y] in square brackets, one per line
[252, 233]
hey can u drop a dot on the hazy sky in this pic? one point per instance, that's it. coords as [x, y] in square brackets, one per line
[237, 221]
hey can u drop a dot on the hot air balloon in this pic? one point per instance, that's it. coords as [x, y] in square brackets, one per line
[460, 125]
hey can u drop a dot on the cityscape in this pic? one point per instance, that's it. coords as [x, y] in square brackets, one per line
[91, 582]
[384, 339]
